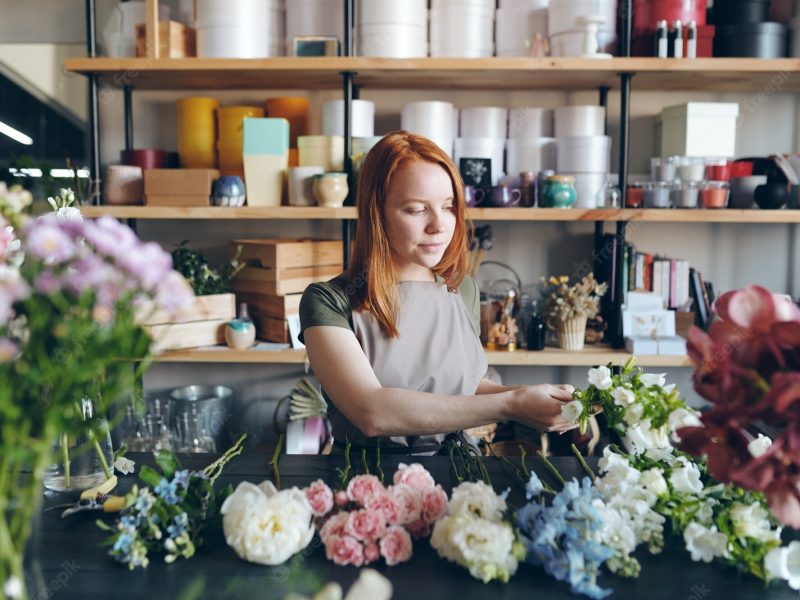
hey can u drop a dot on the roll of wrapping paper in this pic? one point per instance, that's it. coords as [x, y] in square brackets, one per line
[197, 132]
[306, 436]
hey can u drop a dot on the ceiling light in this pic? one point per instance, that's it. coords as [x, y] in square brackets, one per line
[15, 135]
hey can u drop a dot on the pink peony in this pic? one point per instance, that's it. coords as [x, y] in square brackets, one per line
[320, 497]
[335, 526]
[396, 545]
[409, 499]
[365, 525]
[434, 505]
[388, 506]
[344, 550]
[414, 475]
[371, 553]
[341, 499]
[362, 487]
[419, 528]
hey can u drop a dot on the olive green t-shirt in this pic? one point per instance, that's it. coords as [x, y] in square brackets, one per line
[327, 303]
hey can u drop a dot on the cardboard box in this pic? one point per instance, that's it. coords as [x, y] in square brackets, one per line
[699, 129]
[282, 282]
[175, 40]
[289, 253]
[279, 307]
[179, 182]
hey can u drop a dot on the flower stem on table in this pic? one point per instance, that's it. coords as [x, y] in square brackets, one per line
[587, 469]
[274, 462]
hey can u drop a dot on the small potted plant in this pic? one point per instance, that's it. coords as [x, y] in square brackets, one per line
[568, 307]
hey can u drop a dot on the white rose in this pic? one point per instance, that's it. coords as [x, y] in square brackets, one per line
[654, 482]
[784, 563]
[266, 526]
[685, 479]
[623, 396]
[759, 445]
[705, 544]
[753, 521]
[682, 417]
[571, 411]
[650, 379]
[633, 414]
[476, 499]
[600, 377]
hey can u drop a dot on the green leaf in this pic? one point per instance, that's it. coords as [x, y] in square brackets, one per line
[149, 476]
[168, 463]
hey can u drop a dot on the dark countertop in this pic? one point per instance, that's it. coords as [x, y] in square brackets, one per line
[71, 564]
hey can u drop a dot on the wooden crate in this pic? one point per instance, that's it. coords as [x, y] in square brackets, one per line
[282, 282]
[175, 40]
[202, 308]
[268, 305]
[271, 329]
[179, 336]
[289, 253]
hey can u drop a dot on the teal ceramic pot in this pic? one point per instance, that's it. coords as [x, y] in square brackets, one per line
[559, 191]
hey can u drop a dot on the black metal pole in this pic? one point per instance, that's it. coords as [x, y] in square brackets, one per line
[128, 95]
[94, 109]
[347, 89]
[626, 13]
[598, 225]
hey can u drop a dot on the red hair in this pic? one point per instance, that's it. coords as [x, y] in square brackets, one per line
[373, 281]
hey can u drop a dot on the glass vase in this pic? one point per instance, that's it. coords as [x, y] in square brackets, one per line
[82, 459]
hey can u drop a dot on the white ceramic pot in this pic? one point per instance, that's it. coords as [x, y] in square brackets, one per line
[583, 154]
[522, 4]
[530, 123]
[579, 120]
[515, 28]
[431, 119]
[562, 14]
[484, 122]
[482, 148]
[392, 40]
[330, 189]
[467, 32]
[321, 151]
[362, 118]
[408, 12]
[535, 154]
[124, 184]
[236, 42]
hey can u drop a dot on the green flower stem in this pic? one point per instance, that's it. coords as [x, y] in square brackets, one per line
[453, 463]
[214, 470]
[587, 469]
[100, 455]
[274, 462]
[65, 458]
[364, 461]
[378, 459]
[503, 460]
[346, 473]
[551, 467]
[522, 456]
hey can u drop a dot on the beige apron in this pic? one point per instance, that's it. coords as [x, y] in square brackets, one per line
[437, 351]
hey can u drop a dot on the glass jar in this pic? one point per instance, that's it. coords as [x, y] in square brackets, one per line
[656, 194]
[609, 196]
[536, 330]
[685, 194]
[663, 168]
[718, 170]
[634, 197]
[714, 194]
[691, 168]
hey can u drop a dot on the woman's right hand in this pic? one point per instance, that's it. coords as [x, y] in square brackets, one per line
[539, 406]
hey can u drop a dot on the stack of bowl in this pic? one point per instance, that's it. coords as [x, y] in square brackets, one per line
[583, 150]
[437, 121]
[393, 29]
[483, 136]
[462, 28]
[241, 29]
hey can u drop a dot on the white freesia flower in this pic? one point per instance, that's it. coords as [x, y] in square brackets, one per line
[653, 481]
[784, 563]
[623, 396]
[759, 445]
[571, 411]
[650, 379]
[124, 465]
[12, 588]
[266, 526]
[477, 499]
[682, 417]
[600, 377]
[643, 437]
[705, 544]
[753, 521]
[633, 414]
[685, 478]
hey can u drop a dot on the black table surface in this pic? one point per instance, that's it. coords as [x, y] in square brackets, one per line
[69, 562]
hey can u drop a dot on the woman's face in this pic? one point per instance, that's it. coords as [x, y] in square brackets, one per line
[420, 218]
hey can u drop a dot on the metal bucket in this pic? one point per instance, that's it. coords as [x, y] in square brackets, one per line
[200, 417]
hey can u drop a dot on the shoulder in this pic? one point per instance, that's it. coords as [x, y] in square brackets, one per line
[329, 294]
[469, 291]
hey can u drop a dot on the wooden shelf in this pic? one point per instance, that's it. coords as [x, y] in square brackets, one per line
[709, 74]
[477, 214]
[552, 357]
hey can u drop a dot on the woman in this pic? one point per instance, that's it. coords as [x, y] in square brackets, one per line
[394, 340]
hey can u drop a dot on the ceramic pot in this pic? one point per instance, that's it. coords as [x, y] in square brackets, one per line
[559, 191]
[330, 189]
[571, 334]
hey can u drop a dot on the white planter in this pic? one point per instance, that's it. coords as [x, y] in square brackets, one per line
[313, 17]
[433, 120]
[236, 42]
[482, 148]
[484, 5]
[699, 129]
[587, 188]
[392, 40]
[464, 32]
[524, 4]
[409, 12]
[530, 123]
[253, 12]
[362, 118]
[484, 122]
[580, 120]
[321, 151]
[583, 154]
[532, 154]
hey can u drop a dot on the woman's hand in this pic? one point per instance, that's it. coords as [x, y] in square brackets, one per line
[539, 406]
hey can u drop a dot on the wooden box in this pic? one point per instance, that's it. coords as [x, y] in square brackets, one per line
[271, 329]
[200, 324]
[289, 253]
[282, 282]
[175, 40]
[179, 187]
[268, 305]
[202, 308]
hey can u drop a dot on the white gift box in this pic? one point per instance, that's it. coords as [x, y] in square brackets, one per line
[657, 323]
[673, 345]
[641, 346]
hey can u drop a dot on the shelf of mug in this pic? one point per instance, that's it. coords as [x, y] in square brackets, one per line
[517, 73]
[552, 357]
[652, 215]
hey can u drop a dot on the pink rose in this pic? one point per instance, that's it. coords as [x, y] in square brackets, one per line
[434, 505]
[344, 550]
[365, 525]
[409, 499]
[419, 528]
[334, 527]
[320, 497]
[414, 475]
[388, 506]
[395, 545]
[371, 553]
[341, 499]
[362, 487]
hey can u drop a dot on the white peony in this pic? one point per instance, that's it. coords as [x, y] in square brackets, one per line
[685, 478]
[759, 445]
[266, 526]
[370, 585]
[654, 482]
[753, 521]
[650, 379]
[705, 544]
[600, 377]
[682, 417]
[784, 563]
[571, 411]
[476, 499]
[623, 396]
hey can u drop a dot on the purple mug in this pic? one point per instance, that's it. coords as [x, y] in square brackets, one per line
[473, 196]
[502, 196]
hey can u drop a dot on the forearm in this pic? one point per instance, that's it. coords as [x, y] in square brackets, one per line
[487, 386]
